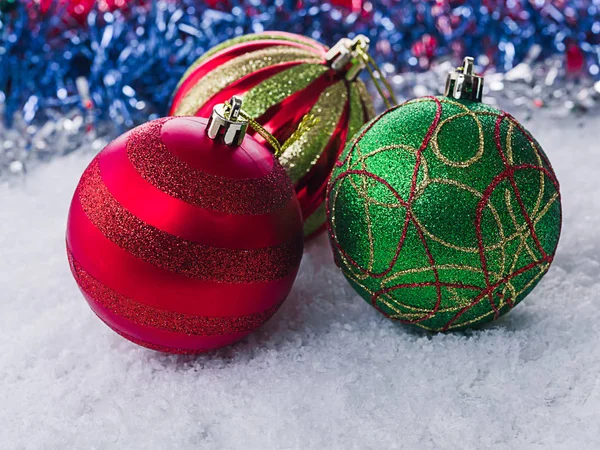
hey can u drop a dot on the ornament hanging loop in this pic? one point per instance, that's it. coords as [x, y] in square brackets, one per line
[229, 123]
[462, 83]
[351, 56]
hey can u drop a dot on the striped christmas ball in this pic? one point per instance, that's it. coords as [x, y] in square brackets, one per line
[289, 87]
[180, 243]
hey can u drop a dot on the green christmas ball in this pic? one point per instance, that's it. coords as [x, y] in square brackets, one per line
[443, 213]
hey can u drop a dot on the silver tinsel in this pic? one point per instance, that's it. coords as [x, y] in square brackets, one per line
[72, 82]
[523, 91]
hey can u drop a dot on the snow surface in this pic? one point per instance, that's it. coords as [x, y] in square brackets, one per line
[326, 372]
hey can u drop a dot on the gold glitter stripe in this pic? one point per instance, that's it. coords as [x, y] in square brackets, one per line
[436, 147]
[366, 99]
[241, 40]
[356, 118]
[543, 269]
[477, 194]
[524, 235]
[280, 86]
[363, 193]
[299, 157]
[237, 68]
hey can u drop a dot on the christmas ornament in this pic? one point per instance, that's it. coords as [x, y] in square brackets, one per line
[444, 212]
[184, 234]
[303, 94]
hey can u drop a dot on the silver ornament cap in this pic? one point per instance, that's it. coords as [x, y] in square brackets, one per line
[348, 55]
[226, 125]
[462, 83]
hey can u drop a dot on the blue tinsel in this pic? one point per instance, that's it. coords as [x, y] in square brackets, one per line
[133, 58]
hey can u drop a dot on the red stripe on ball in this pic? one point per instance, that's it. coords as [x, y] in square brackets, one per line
[179, 255]
[156, 164]
[186, 138]
[156, 339]
[179, 218]
[149, 284]
[165, 319]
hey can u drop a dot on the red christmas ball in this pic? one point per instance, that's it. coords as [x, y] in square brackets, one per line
[180, 243]
[290, 86]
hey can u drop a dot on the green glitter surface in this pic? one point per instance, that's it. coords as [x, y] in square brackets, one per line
[462, 240]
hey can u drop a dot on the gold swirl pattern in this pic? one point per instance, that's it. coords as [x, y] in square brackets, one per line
[444, 214]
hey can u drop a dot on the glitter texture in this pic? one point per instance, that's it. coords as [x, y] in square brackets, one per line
[310, 94]
[165, 320]
[366, 102]
[164, 170]
[248, 38]
[444, 214]
[299, 157]
[178, 255]
[275, 89]
[235, 69]
[133, 252]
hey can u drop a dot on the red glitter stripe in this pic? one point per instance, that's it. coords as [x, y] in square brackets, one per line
[406, 203]
[506, 174]
[162, 319]
[484, 293]
[154, 286]
[152, 159]
[396, 194]
[179, 255]
[162, 340]
[513, 183]
[191, 222]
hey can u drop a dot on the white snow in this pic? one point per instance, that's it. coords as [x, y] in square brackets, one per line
[326, 372]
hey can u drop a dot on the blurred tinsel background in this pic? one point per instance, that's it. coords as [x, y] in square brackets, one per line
[80, 72]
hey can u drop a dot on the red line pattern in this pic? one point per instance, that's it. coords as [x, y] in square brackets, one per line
[479, 293]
